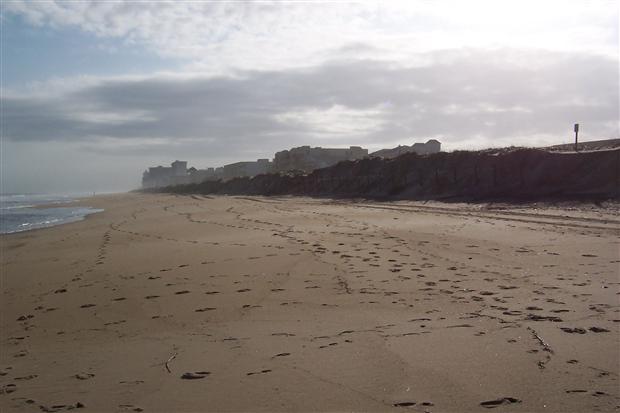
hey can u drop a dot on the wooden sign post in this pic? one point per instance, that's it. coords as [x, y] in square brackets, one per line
[576, 133]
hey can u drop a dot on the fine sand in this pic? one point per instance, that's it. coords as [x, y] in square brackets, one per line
[189, 303]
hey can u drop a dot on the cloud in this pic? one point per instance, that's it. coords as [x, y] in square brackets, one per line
[335, 121]
[220, 37]
[463, 96]
[253, 78]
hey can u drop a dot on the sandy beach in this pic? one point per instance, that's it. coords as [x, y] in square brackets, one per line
[196, 303]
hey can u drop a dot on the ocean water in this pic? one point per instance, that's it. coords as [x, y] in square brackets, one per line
[19, 212]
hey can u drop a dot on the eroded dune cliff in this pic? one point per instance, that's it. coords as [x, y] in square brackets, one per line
[518, 174]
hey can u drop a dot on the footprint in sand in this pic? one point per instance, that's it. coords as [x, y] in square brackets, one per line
[512, 312]
[130, 407]
[58, 407]
[26, 378]
[196, 375]
[201, 310]
[404, 404]
[258, 372]
[281, 355]
[535, 317]
[251, 306]
[490, 404]
[507, 287]
[8, 388]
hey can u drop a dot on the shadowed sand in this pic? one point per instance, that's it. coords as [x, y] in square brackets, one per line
[189, 303]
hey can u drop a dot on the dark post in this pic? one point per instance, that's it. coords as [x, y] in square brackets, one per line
[576, 133]
[618, 169]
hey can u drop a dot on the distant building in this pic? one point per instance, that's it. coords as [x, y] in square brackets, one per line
[197, 176]
[430, 147]
[246, 169]
[176, 174]
[179, 168]
[307, 159]
[157, 176]
[303, 158]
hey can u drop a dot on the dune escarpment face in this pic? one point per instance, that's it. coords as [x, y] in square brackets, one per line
[516, 175]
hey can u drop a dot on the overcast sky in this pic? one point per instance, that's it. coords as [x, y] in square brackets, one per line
[95, 92]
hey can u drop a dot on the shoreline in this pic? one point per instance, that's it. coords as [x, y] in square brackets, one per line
[612, 205]
[81, 218]
[78, 202]
[305, 304]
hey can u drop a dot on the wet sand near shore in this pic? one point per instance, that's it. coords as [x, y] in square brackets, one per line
[196, 303]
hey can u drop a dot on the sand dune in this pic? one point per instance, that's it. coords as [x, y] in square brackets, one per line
[197, 303]
[490, 175]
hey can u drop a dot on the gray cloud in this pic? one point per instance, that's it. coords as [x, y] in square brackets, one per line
[507, 95]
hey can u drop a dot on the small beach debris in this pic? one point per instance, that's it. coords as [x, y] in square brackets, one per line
[546, 346]
[172, 357]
